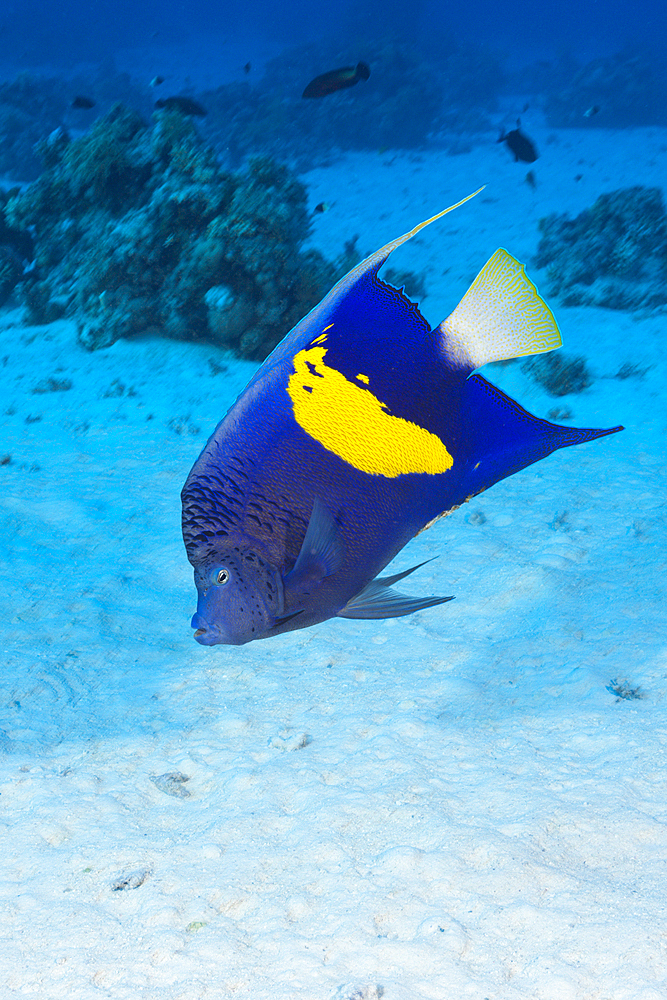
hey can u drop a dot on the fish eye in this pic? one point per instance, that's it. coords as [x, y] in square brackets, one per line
[221, 577]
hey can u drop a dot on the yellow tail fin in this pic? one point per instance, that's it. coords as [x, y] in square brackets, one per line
[501, 316]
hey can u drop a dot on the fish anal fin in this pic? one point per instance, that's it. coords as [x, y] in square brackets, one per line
[501, 316]
[378, 600]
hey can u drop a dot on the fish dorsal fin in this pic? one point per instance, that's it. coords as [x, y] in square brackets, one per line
[359, 280]
[390, 247]
[501, 316]
[377, 259]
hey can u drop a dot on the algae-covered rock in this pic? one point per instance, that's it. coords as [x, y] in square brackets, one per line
[16, 250]
[136, 226]
[613, 254]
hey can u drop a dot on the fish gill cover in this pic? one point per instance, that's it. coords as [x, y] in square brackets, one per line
[138, 229]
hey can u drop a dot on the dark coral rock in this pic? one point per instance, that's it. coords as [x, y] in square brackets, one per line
[10, 273]
[139, 230]
[52, 384]
[40, 307]
[16, 250]
[559, 374]
[625, 88]
[613, 254]
[624, 691]
[630, 370]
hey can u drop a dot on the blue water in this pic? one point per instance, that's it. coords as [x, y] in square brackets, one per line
[65, 33]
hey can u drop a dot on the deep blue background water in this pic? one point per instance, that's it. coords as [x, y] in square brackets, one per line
[70, 31]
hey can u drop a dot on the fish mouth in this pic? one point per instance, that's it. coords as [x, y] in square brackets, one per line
[212, 635]
[207, 637]
[204, 635]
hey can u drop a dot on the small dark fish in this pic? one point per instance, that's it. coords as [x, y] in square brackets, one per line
[522, 147]
[531, 180]
[82, 102]
[578, 177]
[323, 206]
[593, 110]
[362, 428]
[185, 105]
[337, 79]
[247, 67]
[156, 81]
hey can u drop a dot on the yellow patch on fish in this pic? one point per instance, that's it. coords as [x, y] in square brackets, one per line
[352, 423]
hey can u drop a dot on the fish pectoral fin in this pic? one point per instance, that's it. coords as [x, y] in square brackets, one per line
[378, 600]
[277, 622]
[501, 316]
[321, 551]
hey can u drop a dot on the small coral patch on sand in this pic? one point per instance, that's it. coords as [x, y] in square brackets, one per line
[559, 374]
[614, 254]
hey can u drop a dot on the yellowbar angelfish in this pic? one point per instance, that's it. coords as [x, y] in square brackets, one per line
[361, 428]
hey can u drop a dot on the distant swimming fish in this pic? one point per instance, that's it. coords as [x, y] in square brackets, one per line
[186, 105]
[337, 79]
[359, 430]
[80, 102]
[247, 68]
[522, 147]
[322, 206]
[590, 112]
[156, 81]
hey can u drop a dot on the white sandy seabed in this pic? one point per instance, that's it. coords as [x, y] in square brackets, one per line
[449, 805]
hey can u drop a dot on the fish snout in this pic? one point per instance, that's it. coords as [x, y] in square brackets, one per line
[212, 635]
[204, 634]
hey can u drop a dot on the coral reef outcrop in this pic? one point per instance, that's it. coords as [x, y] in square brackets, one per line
[16, 250]
[138, 229]
[613, 254]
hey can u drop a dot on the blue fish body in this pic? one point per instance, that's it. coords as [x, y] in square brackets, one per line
[360, 429]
